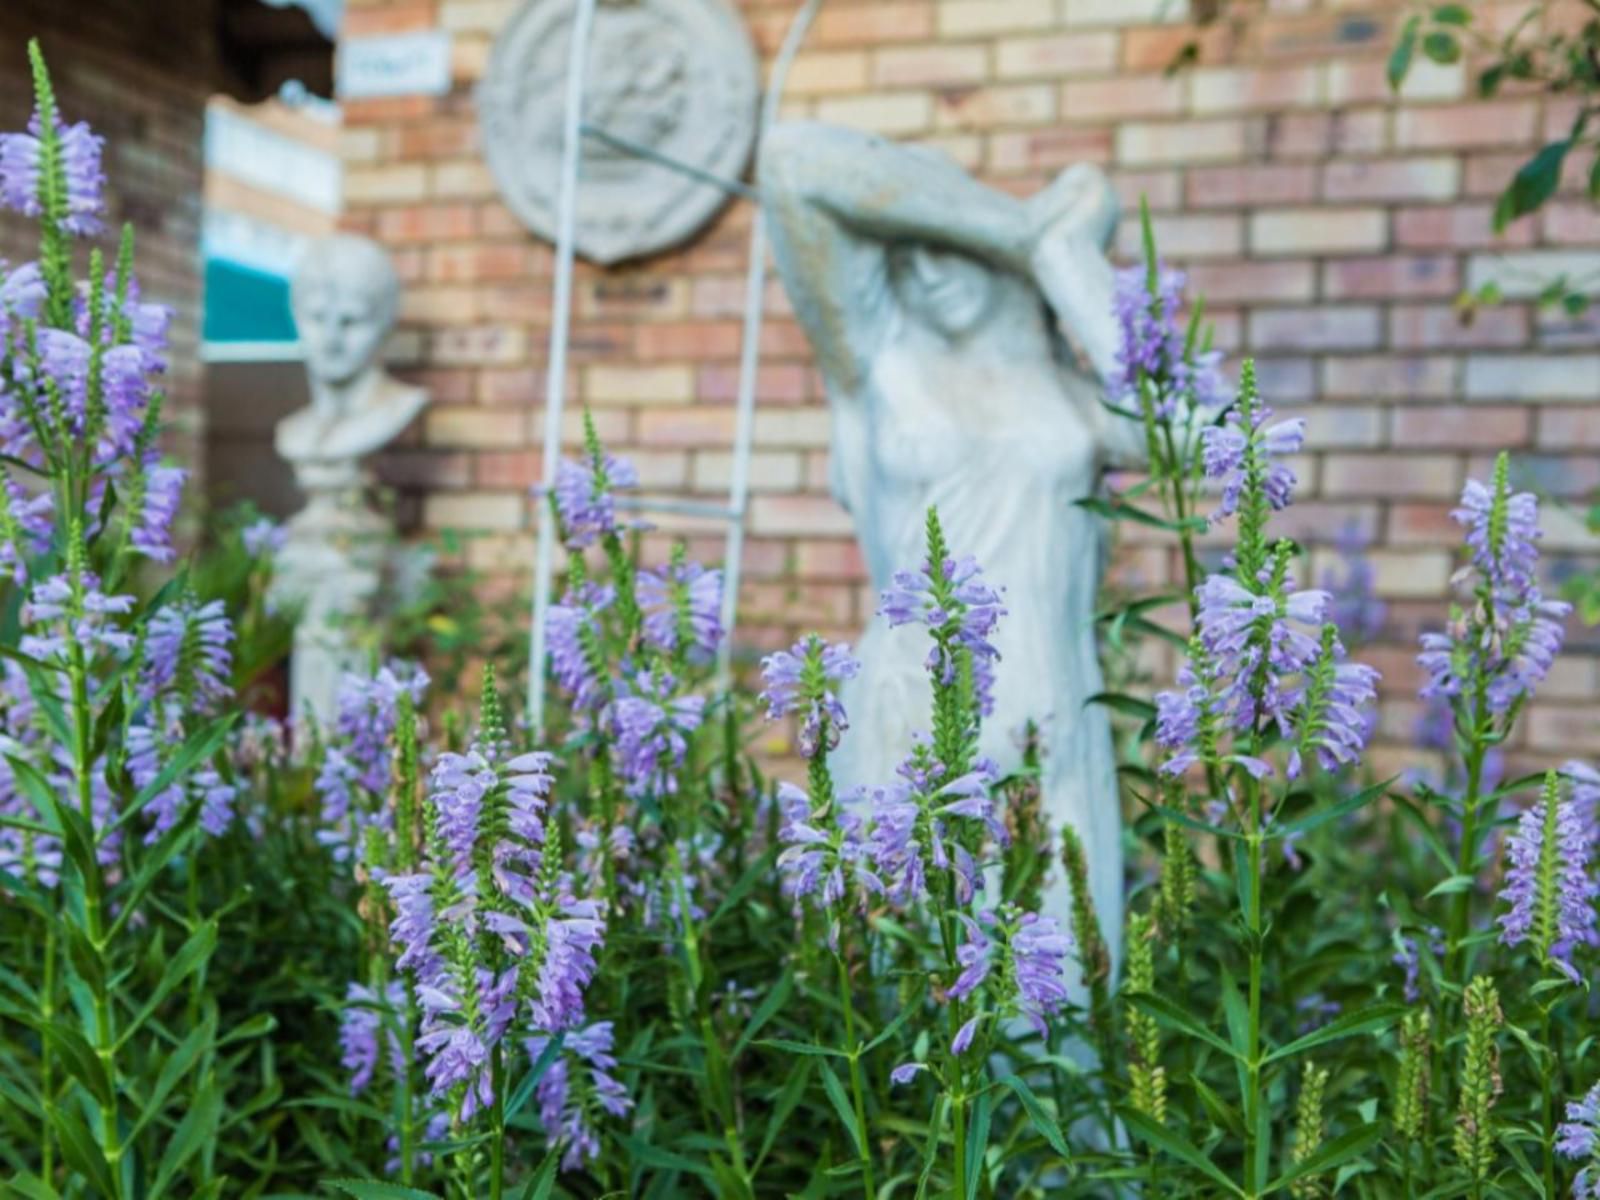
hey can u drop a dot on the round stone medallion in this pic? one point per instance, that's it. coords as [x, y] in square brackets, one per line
[678, 77]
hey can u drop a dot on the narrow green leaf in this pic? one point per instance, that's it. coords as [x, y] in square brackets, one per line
[806, 1048]
[1344, 1147]
[378, 1189]
[775, 999]
[198, 1127]
[1146, 1130]
[1404, 50]
[525, 1086]
[1364, 1020]
[1534, 183]
[841, 1105]
[198, 747]
[794, 1090]
[1168, 1013]
[542, 1183]
[1041, 1120]
[81, 1152]
[194, 952]
[174, 1068]
[1331, 812]
[1130, 706]
[654, 1156]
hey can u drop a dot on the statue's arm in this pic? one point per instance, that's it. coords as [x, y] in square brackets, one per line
[836, 199]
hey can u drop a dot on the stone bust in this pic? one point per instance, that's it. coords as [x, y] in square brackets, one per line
[344, 297]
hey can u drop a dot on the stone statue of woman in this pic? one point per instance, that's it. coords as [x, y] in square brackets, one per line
[950, 322]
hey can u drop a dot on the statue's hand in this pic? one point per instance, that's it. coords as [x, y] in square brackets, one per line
[1079, 204]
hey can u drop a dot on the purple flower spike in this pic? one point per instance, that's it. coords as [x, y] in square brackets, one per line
[21, 159]
[802, 680]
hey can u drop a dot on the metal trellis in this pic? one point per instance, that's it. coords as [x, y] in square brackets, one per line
[733, 513]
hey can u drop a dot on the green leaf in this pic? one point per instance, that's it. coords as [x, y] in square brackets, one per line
[81, 1152]
[198, 747]
[1041, 1120]
[978, 1140]
[173, 1068]
[191, 956]
[841, 1105]
[1404, 49]
[1534, 183]
[1184, 1151]
[1450, 886]
[1458, 15]
[378, 1189]
[1168, 1013]
[754, 874]
[794, 1090]
[1364, 1020]
[198, 1127]
[257, 1026]
[1346, 1146]
[1442, 47]
[1223, 1113]
[775, 999]
[894, 1026]
[654, 1156]
[543, 1181]
[1128, 706]
[806, 1048]
[525, 1086]
[1331, 812]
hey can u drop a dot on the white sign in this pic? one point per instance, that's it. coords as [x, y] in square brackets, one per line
[395, 64]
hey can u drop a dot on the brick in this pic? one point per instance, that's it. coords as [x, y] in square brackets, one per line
[879, 112]
[1393, 276]
[474, 510]
[462, 180]
[1230, 187]
[1422, 525]
[424, 469]
[1458, 427]
[638, 385]
[696, 341]
[1437, 326]
[867, 24]
[1121, 96]
[1466, 126]
[935, 63]
[475, 16]
[689, 427]
[1408, 476]
[1317, 135]
[798, 516]
[770, 471]
[396, 183]
[482, 345]
[1524, 275]
[440, 306]
[1051, 56]
[968, 18]
[986, 108]
[477, 263]
[1118, 12]
[1569, 428]
[1247, 89]
[1570, 222]
[456, 426]
[776, 383]
[1574, 730]
[1141, 143]
[1457, 226]
[1436, 177]
[1366, 81]
[1047, 149]
[1330, 427]
[840, 560]
[805, 427]
[826, 72]
[1326, 327]
[1308, 231]
[425, 223]
[1533, 377]
[1413, 573]
[1185, 237]
[501, 470]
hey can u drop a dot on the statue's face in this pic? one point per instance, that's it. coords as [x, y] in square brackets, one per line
[342, 330]
[944, 289]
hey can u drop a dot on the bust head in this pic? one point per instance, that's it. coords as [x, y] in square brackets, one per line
[344, 297]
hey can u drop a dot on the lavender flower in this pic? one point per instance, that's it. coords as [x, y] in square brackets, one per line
[1151, 346]
[571, 938]
[153, 505]
[1507, 641]
[975, 956]
[263, 538]
[360, 1023]
[1579, 1138]
[906, 1072]
[57, 609]
[1039, 949]
[961, 610]
[651, 728]
[801, 681]
[584, 500]
[682, 606]
[567, 1100]
[1356, 607]
[573, 631]
[187, 651]
[1226, 451]
[21, 164]
[26, 523]
[1548, 892]
[22, 295]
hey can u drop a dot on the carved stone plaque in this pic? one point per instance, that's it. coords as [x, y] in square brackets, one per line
[678, 77]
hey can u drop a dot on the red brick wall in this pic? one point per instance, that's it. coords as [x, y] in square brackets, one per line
[139, 73]
[1329, 226]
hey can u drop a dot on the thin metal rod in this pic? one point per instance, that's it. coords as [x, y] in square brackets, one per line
[755, 288]
[638, 150]
[676, 507]
[560, 326]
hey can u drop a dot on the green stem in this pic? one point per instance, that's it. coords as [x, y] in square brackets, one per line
[959, 1104]
[47, 1014]
[497, 1125]
[408, 1117]
[857, 1090]
[94, 907]
[1547, 1079]
[1253, 926]
[1467, 858]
